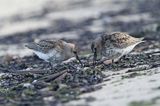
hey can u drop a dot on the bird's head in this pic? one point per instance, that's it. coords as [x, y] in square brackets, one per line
[96, 47]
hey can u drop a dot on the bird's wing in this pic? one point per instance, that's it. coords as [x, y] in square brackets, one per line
[121, 40]
[43, 45]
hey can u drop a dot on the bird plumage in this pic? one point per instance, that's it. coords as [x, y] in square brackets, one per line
[54, 51]
[45, 45]
[120, 40]
[115, 45]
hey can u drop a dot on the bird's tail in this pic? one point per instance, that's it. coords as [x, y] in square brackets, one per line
[140, 40]
[32, 46]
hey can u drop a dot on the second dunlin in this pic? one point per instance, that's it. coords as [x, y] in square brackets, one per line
[113, 46]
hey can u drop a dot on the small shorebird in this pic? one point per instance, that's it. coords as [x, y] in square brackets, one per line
[113, 46]
[54, 51]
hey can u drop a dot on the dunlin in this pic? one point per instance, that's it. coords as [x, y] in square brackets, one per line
[54, 51]
[113, 46]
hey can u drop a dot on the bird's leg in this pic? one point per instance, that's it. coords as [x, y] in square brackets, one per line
[113, 60]
[95, 57]
[77, 57]
[52, 63]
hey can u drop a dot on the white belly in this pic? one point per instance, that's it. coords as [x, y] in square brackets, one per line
[51, 55]
[117, 53]
[129, 49]
[42, 55]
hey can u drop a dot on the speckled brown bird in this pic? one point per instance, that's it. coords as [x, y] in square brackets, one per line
[113, 46]
[54, 51]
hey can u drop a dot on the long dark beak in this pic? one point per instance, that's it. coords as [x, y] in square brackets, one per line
[94, 51]
[95, 56]
[77, 57]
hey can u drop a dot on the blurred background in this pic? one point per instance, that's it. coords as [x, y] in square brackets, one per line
[23, 21]
[81, 21]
